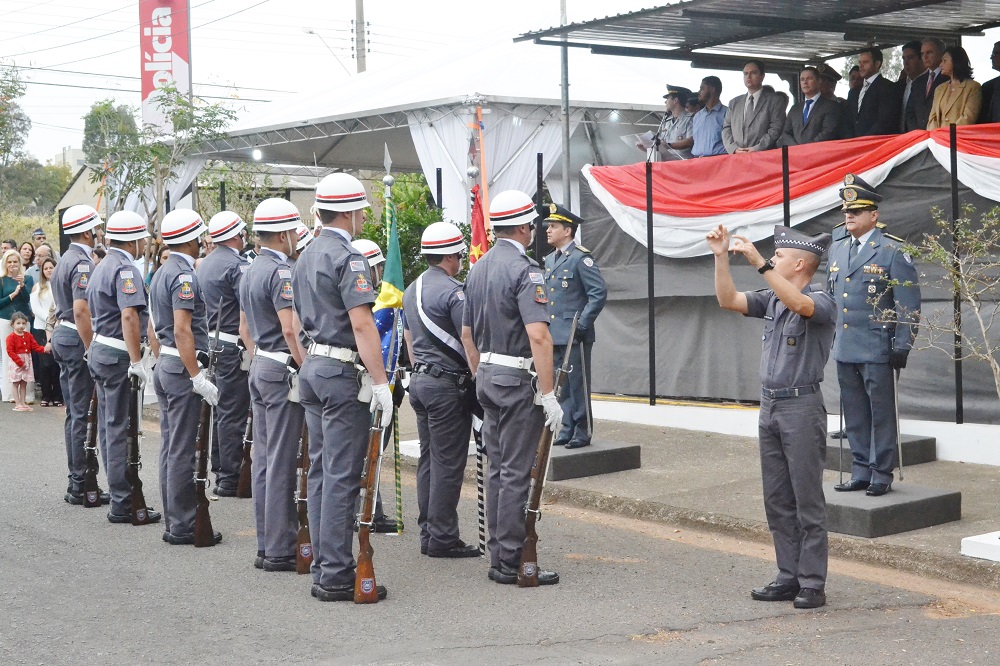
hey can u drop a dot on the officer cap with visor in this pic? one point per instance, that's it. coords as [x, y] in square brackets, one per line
[796, 240]
[858, 195]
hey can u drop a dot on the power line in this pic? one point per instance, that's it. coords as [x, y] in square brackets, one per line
[136, 78]
[23, 9]
[123, 90]
[83, 20]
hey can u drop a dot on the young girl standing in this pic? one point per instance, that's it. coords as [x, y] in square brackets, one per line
[15, 296]
[20, 344]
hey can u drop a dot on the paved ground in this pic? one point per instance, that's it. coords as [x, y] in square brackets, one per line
[78, 590]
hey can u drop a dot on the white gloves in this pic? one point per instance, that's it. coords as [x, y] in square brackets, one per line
[205, 388]
[553, 412]
[137, 370]
[382, 398]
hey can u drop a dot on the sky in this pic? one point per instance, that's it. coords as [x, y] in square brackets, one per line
[73, 53]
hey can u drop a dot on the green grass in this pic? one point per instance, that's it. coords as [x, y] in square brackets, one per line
[19, 228]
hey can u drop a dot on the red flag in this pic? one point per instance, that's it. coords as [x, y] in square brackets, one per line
[480, 241]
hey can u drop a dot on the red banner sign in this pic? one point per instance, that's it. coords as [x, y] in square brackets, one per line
[164, 40]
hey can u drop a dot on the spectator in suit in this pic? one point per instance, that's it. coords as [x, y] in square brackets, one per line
[959, 100]
[990, 111]
[813, 119]
[918, 111]
[913, 67]
[874, 107]
[755, 119]
[707, 123]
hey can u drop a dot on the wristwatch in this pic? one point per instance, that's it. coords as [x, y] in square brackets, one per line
[768, 265]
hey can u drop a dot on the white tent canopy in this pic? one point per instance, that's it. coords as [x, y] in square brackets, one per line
[423, 112]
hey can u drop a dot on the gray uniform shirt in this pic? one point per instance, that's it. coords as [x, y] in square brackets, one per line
[70, 280]
[267, 288]
[676, 129]
[331, 279]
[175, 287]
[219, 276]
[116, 284]
[442, 301]
[504, 292]
[795, 348]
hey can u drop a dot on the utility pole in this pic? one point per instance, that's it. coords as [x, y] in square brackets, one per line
[564, 58]
[360, 45]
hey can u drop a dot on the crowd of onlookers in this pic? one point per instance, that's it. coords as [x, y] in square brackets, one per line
[934, 89]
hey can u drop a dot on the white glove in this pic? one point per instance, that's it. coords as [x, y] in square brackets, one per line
[205, 388]
[553, 412]
[138, 370]
[382, 398]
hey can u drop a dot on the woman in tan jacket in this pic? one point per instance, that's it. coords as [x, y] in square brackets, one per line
[957, 101]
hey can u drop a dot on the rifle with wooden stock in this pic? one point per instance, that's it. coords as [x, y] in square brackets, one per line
[365, 590]
[91, 493]
[140, 512]
[204, 535]
[244, 487]
[303, 550]
[527, 572]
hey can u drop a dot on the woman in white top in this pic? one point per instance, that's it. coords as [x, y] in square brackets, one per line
[42, 307]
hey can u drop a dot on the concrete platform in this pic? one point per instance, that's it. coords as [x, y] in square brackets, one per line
[983, 546]
[906, 507]
[601, 457]
[916, 451]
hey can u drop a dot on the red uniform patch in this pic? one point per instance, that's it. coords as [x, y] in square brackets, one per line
[82, 281]
[363, 284]
[187, 293]
[286, 291]
[540, 296]
[128, 286]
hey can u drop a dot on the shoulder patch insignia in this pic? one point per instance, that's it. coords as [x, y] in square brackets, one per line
[286, 291]
[587, 261]
[362, 283]
[536, 278]
[907, 258]
[540, 296]
[83, 280]
[357, 265]
[187, 293]
[128, 287]
[460, 295]
[284, 274]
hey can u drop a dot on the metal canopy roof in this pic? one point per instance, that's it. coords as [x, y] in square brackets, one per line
[721, 34]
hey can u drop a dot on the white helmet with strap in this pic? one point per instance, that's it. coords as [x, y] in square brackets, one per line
[80, 218]
[181, 225]
[372, 252]
[276, 215]
[442, 238]
[126, 225]
[341, 192]
[511, 208]
[305, 237]
[225, 225]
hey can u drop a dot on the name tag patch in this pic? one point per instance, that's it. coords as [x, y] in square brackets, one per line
[357, 265]
[284, 274]
[184, 277]
[82, 268]
[126, 275]
[536, 278]
[460, 295]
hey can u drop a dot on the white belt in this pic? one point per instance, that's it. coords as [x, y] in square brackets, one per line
[114, 343]
[337, 353]
[169, 351]
[519, 362]
[281, 357]
[68, 324]
[229, 337]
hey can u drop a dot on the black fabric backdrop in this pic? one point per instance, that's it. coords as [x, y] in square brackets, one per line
[705, 352]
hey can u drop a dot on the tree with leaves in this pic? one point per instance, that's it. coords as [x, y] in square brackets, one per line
[892, 64]
[246, 186]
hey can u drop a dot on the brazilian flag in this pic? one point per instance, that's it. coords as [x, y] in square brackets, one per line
[388, 307]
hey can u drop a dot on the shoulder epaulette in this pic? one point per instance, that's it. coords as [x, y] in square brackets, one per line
[895, 238]
[837, 226]
[583, 249]
[880, 225]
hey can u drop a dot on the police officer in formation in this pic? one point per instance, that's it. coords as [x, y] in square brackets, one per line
[72, 337]
[267, 296]
[334, 295]
[441, 389]
[575, 285]
[178, 317]
[303, 238]
[798, 333]
[506, 337]
[117, 298]
[219, 275]
[876, 326]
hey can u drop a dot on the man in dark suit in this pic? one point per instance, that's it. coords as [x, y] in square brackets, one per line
[874, 107]
[813, 119]
[918, 109]
[990, 112]
[912, 68]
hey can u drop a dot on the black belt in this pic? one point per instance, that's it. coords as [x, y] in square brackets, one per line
[789, 392]
[461, 379]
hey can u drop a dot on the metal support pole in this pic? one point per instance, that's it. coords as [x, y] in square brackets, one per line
[955, 213]
[650, 291]
[564, 74]
[440, 189]
[222, 195]
[540, 208]
[786, 198]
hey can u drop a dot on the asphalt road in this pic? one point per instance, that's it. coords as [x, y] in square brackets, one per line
[78, 590]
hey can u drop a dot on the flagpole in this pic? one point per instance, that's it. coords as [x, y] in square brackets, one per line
[482, 167]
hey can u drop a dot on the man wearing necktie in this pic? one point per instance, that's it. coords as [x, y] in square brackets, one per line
[875, 106]
[876, 326]
[754, 120]
[816, 118]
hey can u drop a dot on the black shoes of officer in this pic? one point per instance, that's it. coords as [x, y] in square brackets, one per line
[258, 562]
[851, 486]
[225, 491]
[559, 442]
[152, 515]
[810, 598]
[343, 592]
[877, 489]
[187, 539]
[775, 591]
[279, 563]
[838, 434]
[506, 574]
[76, 498]
[460, 549]
[576, 444]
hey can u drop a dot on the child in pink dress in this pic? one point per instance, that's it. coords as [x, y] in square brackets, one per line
[20, 344]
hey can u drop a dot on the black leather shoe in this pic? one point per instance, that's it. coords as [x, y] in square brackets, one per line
[279, 563]
[152, 514]
[258, 562]
[76, 499]
[186, 539]
[460, 549]
[775, 591]
[423, 549]
[385, 525]
[810, 598]
[559, 442]
[576, 444]
[343, 592]
[105, 496]
[877, 489]
[838, 434]
[851, 486]
[506, 574]
[225, 491]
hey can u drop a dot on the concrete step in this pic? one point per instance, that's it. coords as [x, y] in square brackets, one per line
[904, 508]
[982, 546]
[601, 457]
[916, 450]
